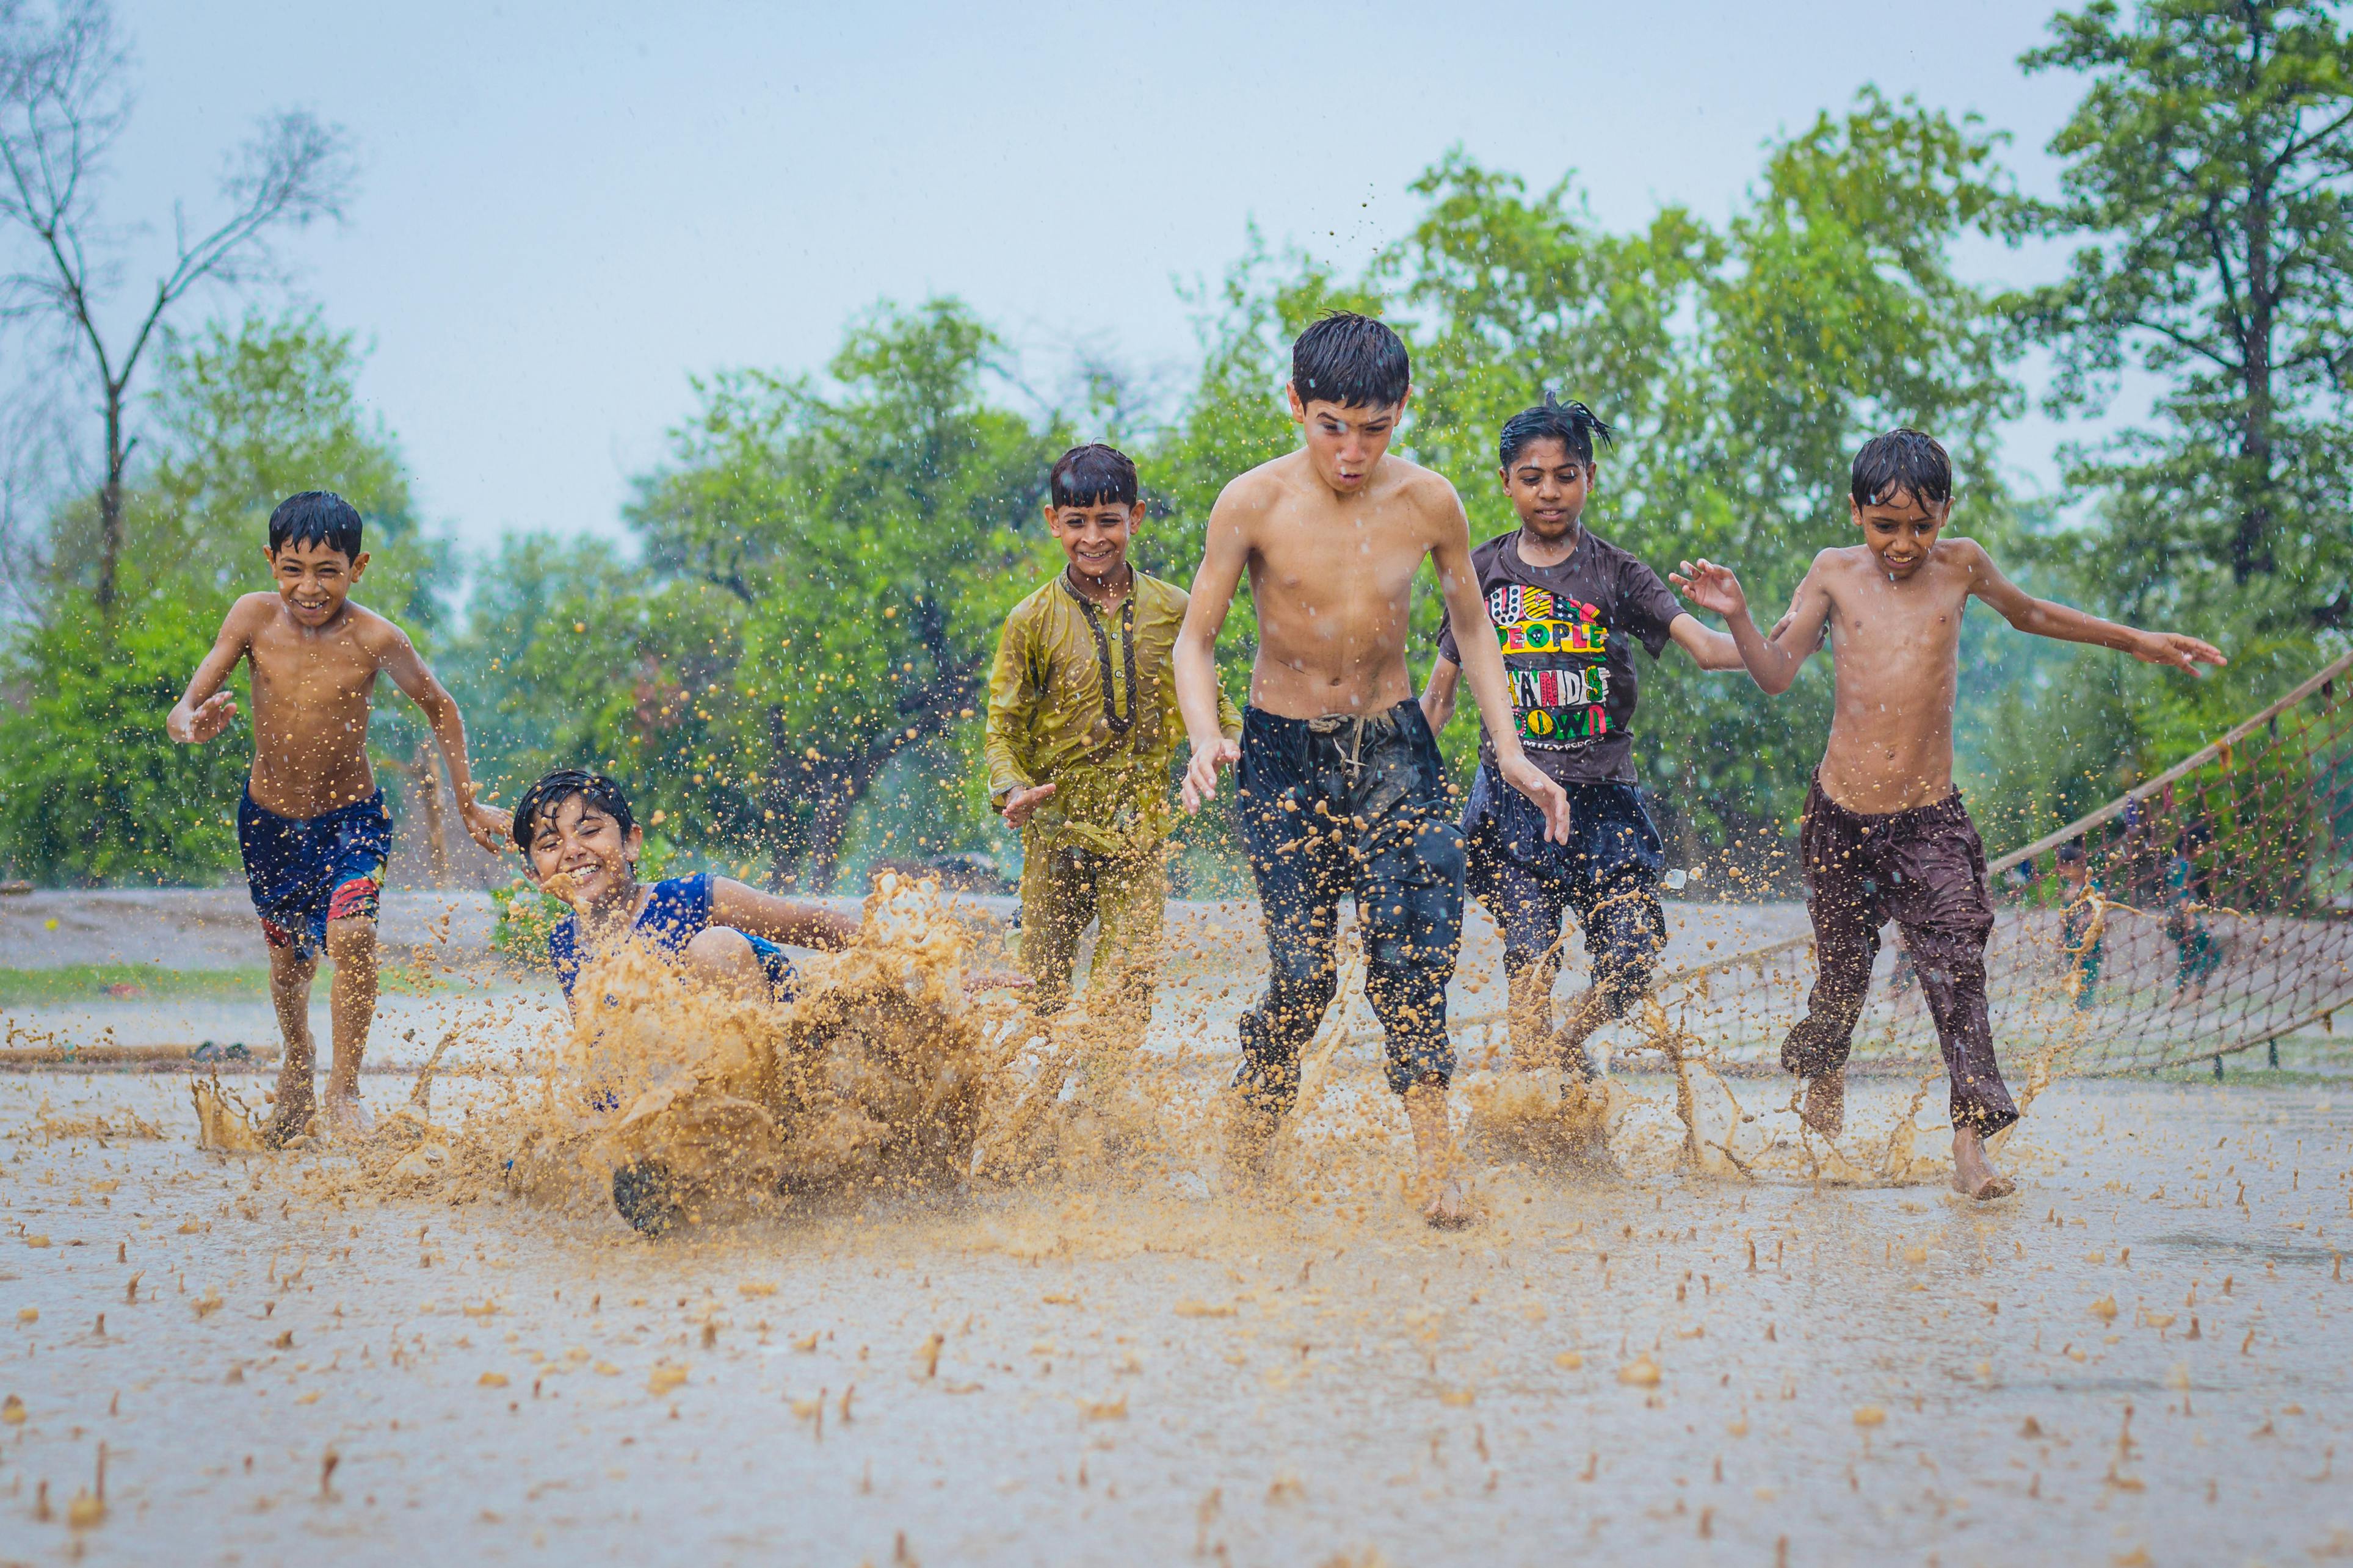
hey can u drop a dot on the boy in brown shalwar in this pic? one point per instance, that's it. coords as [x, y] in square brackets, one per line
[1886, 835]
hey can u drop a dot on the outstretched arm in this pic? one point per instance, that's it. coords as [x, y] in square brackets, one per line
[791, 920]
[1482, 666]
[1198, 697]
[486, 825]
[1772, 662]
[1709, 649]
[2042, 618]
[204, 710]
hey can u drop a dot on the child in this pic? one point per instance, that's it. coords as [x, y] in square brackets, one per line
[1082, 722]
[581, 841]
[312, 825]
[1884, 833]
[1341, 786]
[2081, 928]
[1568, 607]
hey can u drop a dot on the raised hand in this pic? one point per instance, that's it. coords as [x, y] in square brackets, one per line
[1711, 588]
[194, 728]
[2180, 652]
[1201, 773]
[1022, 803]
[488, 825]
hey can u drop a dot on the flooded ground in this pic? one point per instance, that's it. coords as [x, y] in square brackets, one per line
[2144, 1357]
[1781, 1353]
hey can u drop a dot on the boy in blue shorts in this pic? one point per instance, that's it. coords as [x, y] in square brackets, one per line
[1568, 607]
[312, 825]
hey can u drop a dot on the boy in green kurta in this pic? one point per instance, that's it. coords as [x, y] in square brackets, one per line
[1082, 722]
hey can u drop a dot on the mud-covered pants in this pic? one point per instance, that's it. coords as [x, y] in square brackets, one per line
[1340, 806]
[1063, 888]
[1607, 874]
[1923, 868]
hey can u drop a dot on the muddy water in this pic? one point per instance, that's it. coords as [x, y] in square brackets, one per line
[1110, 1346]
[2145, 1356]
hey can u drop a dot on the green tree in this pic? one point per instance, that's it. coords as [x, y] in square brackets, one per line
[1742, 366]
[834, 566]
[2207, 174]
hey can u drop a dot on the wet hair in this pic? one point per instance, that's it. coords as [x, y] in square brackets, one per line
[1902, 462]
[1573, 425]
[542, 799]
[1094, 475]
[2072, 855]
[316, 517]
[1351, 360]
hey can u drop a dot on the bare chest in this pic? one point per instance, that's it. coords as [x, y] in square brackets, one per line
[1897, 635]
[1354, 566]
[295, 675]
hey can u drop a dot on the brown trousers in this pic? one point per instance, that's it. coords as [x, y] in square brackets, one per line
[1925, 869]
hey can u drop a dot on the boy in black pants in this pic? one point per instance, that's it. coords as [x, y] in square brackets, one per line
[1568, 607]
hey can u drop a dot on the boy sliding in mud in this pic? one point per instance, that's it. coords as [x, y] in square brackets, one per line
[1884, 833]
[1341, 785]
[1082, 722]
[1569, 608]
[312, 825]
[582, 842]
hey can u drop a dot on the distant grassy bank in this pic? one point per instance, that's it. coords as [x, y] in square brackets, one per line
[72, 985]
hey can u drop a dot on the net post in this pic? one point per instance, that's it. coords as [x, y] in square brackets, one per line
[2218, 1067]
[2274, 1052]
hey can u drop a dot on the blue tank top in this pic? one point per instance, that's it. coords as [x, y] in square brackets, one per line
[677, 912]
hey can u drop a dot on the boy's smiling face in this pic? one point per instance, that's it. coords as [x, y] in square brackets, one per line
[579, 854]
[1095, 537]
[1900, 530]
[1345, 441]
[1548, 487]
[313, 580]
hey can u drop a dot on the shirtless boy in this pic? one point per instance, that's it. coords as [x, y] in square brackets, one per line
[312, 825]
[1341, 786]
[1885, 834]
[1569, 609]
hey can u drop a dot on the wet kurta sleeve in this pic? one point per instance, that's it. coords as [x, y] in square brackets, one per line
[1012, 702]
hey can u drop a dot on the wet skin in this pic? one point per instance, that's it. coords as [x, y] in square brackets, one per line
[315, 658]
[1891, 607]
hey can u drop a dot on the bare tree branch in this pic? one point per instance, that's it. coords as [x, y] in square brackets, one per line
[64, 98]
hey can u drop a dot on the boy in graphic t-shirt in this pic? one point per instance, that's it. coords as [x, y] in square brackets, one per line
[1568, 607]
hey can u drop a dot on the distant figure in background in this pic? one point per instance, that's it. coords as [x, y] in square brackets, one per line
[1082, 722]
[2082, 928]
[1884, 833]
[2197, 954]
[312, 827]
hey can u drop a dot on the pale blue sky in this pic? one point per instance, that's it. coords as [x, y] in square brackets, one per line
[569, 208]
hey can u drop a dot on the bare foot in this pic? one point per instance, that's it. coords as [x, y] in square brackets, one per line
[1448, 1208]
[294, 1104]
[1973, 1174]
[346, 1117]
[1250, 1136]
[1825, 1110]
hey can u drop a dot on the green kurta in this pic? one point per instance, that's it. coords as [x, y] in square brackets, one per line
[1085, 699]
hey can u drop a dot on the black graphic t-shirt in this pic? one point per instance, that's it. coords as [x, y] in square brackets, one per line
[1568, 634]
